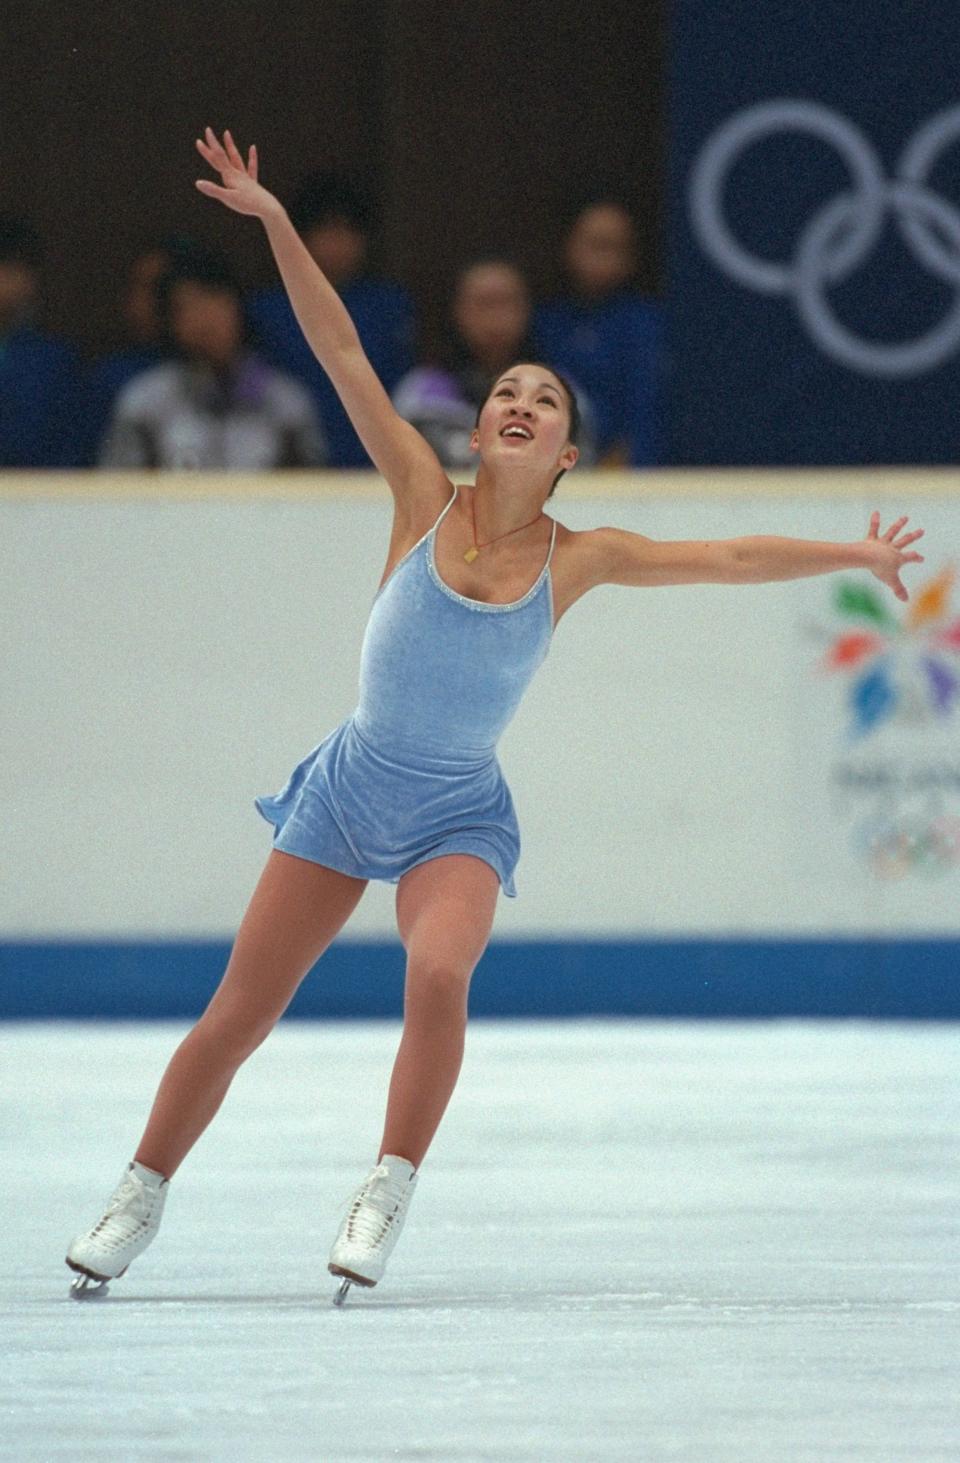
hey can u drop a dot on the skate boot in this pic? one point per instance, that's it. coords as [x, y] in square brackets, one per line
[372, 1226]
[129, 1223]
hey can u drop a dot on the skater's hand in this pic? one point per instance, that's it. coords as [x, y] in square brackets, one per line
[886, 558]
[240, 190]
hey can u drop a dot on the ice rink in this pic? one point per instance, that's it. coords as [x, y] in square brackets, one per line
[718, 1242]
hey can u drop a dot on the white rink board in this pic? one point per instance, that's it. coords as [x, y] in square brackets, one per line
[174, 648]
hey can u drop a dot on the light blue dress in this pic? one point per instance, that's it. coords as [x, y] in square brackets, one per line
[412, 774]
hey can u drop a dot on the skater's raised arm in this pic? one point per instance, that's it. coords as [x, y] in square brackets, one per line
[400, 453]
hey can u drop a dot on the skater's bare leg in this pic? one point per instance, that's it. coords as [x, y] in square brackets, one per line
[294, 913]
[445, 911]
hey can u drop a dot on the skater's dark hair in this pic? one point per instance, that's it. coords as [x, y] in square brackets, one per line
[574, 429]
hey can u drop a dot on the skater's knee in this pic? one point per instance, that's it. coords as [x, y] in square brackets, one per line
[435, 984]
[233, 1035]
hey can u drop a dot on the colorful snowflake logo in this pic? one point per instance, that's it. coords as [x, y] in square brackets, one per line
[870, 655]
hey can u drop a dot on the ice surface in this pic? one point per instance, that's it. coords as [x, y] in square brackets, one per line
[718, 1242]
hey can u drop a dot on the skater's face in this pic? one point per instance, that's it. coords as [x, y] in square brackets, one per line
[533, 398]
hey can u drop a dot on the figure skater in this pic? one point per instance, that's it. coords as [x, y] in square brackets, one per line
[409, 789]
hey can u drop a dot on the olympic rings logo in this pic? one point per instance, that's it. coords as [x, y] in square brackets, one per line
[838, 238]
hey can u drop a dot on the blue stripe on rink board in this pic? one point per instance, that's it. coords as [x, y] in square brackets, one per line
[143, 980]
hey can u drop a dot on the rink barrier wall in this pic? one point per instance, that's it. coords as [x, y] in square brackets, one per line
[311, 485]
[697, 769]
[356, 979]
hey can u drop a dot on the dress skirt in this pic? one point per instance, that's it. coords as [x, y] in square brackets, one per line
[354, 807]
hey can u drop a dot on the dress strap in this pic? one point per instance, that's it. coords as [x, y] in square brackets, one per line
[444, 509]
[553, 539]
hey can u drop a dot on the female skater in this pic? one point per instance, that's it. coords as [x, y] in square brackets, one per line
[408, 789]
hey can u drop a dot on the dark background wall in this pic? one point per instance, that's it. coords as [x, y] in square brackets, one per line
[792, 343]
[470, 124]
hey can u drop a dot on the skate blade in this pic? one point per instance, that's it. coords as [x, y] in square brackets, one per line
[88, 1285]
[85, 1287]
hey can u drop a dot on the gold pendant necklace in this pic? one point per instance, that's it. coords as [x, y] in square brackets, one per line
[475, 548]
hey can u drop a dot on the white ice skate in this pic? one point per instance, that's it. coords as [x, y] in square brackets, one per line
[371, 1228]
[129, 1223]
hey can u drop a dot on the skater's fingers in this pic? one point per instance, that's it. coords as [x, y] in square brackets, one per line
[216, 157]
[220, 159]
[204, 151]
[232, 152]
[213, 191]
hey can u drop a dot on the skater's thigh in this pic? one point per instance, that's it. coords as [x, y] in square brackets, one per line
[296, 910]
[445, 910]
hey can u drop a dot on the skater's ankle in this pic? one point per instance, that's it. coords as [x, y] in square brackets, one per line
[401, 1156]
[151, 1176]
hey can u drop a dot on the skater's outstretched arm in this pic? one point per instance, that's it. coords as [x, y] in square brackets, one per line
[400, 453]
[617, 556]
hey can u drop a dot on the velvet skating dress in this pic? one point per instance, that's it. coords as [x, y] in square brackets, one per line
[412, 773]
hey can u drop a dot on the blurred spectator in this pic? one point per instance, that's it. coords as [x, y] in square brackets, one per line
[38, 371]
[141, 347]
[334, 222]
[605, 333]
[488, 331]
[216, 404]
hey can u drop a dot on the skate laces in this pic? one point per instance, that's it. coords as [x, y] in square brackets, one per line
[130, 1201]
[353, 1195]
[375, 1207]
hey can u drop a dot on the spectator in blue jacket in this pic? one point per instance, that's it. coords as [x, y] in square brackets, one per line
[334, 221]
[38, 370]
[603, 331]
